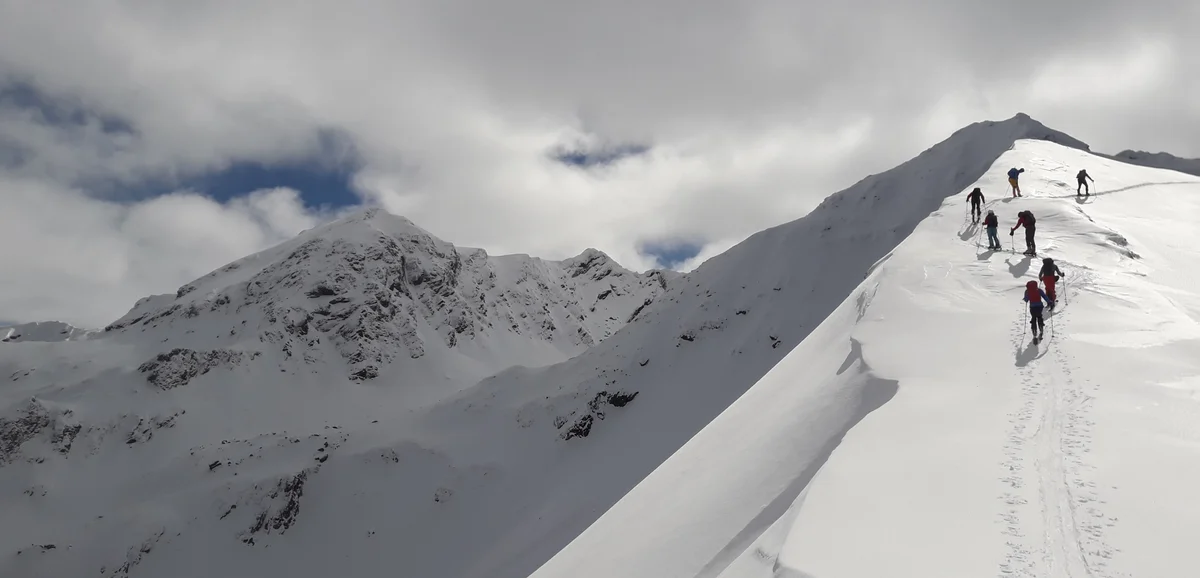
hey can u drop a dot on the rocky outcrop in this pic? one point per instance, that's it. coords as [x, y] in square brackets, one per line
[17, 430]
[179, 366]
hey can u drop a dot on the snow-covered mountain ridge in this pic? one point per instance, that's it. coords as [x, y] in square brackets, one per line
[243, 458]
[918, 431]
[43, 331]
[1159, 160]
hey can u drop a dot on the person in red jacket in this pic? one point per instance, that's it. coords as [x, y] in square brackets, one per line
[1037, 301]
[1025, 218]
[1049, 276]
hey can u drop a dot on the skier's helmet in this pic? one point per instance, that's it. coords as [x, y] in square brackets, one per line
[990, 212]
[1048, 261]
[1031, 285]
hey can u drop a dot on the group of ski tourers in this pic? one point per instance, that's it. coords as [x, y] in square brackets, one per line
[1038, 299]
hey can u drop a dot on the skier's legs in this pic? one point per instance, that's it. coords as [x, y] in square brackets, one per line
[1029, 239]
[1079, 188]
[975, 208]
[993, 240]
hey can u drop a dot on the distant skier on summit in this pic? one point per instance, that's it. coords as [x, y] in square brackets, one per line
[1049, 276]
[1037, 301]
[1013, 173]
[975, 198]
[1025, 218]
[1083, 183]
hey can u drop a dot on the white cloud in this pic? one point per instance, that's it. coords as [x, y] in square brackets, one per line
[756, 111]
[71, 258]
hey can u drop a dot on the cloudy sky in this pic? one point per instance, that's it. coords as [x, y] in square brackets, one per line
[143, 144]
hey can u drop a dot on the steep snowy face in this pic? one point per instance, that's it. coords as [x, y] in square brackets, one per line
[919, 431]
[376, 290]
[44, 331]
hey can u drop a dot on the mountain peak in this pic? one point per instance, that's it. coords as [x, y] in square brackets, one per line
[370, 219]
[384, 294]
[1017, 127]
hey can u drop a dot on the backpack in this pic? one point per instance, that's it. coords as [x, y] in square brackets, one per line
[1033, 293]
[991, 221]
[1029, 220]
[1081, 174]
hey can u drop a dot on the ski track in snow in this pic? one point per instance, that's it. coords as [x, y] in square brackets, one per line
[1053, 516]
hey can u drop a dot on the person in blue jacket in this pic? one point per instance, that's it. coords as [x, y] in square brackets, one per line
[1013, 173]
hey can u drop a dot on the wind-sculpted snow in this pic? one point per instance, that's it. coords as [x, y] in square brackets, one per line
[918, 431]
[227, 429]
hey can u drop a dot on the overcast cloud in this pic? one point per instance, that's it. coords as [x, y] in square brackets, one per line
[754, 110]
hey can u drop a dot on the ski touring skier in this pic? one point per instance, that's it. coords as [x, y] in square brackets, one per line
[1037, 300]
[1049, 275]
[976, 199]
[1081, 176]
[992, 223]
[1013, 173]
[1025, 219]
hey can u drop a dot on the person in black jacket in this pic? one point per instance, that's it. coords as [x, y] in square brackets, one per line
[1083, 186]
[991, 223]
[975, 198]
[1025, 218]
[1049, 275]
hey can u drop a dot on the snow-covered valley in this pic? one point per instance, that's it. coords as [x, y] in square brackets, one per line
[847, 394]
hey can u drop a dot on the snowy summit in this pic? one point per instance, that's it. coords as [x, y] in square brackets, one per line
[852, 394]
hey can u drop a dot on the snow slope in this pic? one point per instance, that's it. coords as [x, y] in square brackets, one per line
[224, 430]
[918, 431]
